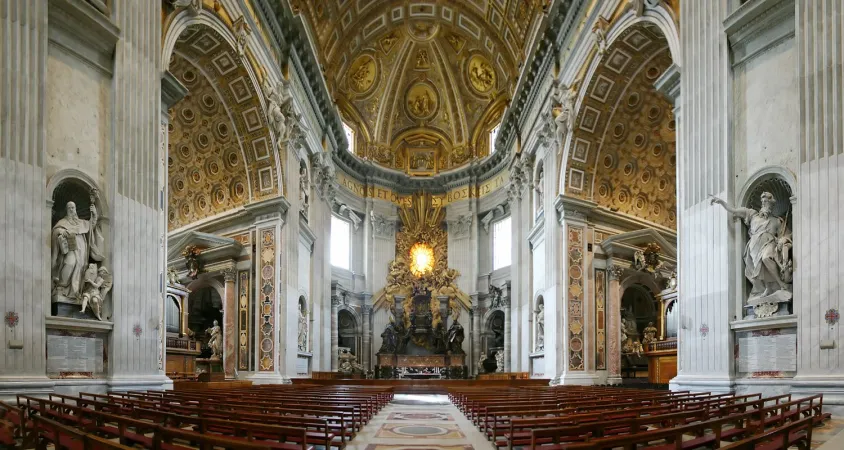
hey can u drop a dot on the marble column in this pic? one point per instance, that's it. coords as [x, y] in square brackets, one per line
[229, 316]
[335, 304]
[367, 337]
[614, 324]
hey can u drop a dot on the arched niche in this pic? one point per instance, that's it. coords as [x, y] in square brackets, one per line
[782, 184]
[539, 324]
[80, 273]
[303, 325]
[348, 334]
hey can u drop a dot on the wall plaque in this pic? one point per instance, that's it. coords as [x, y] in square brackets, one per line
[776, 353]
[74, 354]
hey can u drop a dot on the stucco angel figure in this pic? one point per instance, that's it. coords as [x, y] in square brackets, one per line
[278, 97]
[564, 97]
[75, 243]
[650, 332]
[767, 259]
[600, 32]
[215, 342]
[97, 284]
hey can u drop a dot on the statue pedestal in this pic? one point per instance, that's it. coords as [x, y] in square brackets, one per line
[210, 369]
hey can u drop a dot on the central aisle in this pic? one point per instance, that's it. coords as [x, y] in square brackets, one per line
[416, 422]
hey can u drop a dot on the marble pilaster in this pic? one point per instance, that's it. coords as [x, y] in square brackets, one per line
[367, 336]
[614, 324]
[335, 305]
[229, 323]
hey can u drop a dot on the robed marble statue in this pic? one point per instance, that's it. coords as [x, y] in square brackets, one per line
[75, 242]
[767, 260]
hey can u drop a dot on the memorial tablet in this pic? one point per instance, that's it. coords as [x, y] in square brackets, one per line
[768, 353]
[74, 354]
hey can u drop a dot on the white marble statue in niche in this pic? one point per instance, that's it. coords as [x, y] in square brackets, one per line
[499, 361]
[97, 284]
[540, 327]
[303, 329]
[76, 245]
[215, 341]
[767, 256]
[304, 190]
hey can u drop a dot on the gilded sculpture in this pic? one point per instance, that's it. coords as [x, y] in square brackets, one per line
[362, 74]
[481, 74]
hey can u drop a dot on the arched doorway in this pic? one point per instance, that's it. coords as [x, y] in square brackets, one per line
[638, 312]
[347, 332]
[206, 306]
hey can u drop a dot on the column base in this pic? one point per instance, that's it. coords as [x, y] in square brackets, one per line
[268, 378]
[37, 386]
[702, 383]
[577, 378]
[613, 380]
[832, 387]
[139, 383]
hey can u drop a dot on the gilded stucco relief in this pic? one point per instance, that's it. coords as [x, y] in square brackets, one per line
[405, 73]
[623, 147]
[220, 153]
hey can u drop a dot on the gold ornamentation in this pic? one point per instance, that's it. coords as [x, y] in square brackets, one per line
[456, 42]
[362, 74]
[481, 74]
[388, 41]
[422, 101]
[422, 61]
[422, 31]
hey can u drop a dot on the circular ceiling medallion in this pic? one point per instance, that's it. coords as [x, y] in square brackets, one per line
[218, 196]
[663, 183]
[623, 196]
[604, 190]
[222, 131]
[657, 209]
[422, 101]
[628, 169]
[646, 176]
[609, 161]
[362, 74]
[481, 74]
[189, 76]
[184, 152]
[196, 176]
[654, 113]
[639, 140]
[618, 131]
[202, 203]
[657, 150]
[640, 202]
[238, 190]
[672, 125]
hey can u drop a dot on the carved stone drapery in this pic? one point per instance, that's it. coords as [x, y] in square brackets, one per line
[382, 227]
[461, 227]
[241, 33]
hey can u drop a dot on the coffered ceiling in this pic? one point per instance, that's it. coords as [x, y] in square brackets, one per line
[422, 83]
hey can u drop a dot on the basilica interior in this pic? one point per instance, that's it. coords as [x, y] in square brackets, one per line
[479, 223]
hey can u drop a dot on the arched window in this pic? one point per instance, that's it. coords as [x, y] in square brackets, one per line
[493, 135]
[350, 136]
[502, 241]
[341, 243]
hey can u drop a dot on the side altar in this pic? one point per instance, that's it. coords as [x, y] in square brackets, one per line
[424, 337]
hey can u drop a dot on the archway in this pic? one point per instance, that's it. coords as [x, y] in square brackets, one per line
[206, 306]
[347, 331]
[638, 313]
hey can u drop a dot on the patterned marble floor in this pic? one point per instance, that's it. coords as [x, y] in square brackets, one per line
[420, 422]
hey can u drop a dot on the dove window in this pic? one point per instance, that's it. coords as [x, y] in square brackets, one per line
[502, 241]
[341, 243]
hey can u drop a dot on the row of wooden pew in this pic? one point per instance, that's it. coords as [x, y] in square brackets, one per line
[281, 417]
[596, 418]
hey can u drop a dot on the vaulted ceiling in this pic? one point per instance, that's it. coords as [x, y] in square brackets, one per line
[422, 83]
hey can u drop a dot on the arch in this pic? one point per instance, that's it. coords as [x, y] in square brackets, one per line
[205, 280]
[205, 44]
[348, 336]
[643, 279]
[616, 102]
[764, 174]
[79, 176]
[663, 17]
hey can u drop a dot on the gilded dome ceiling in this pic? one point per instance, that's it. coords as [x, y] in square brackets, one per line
[422, 84]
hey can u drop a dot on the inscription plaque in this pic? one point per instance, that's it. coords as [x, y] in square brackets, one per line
[768, 353]
[74, 354]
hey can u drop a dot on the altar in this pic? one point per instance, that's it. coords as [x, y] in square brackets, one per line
[423, 338]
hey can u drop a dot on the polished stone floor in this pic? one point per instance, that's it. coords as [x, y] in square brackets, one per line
[431, 422]
[420, 422]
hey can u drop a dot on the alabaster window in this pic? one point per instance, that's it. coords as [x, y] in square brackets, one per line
[493, 135]
[502, 240]
[341, 243]
[350, 137]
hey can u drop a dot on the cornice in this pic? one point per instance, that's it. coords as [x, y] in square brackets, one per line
[757, 26]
